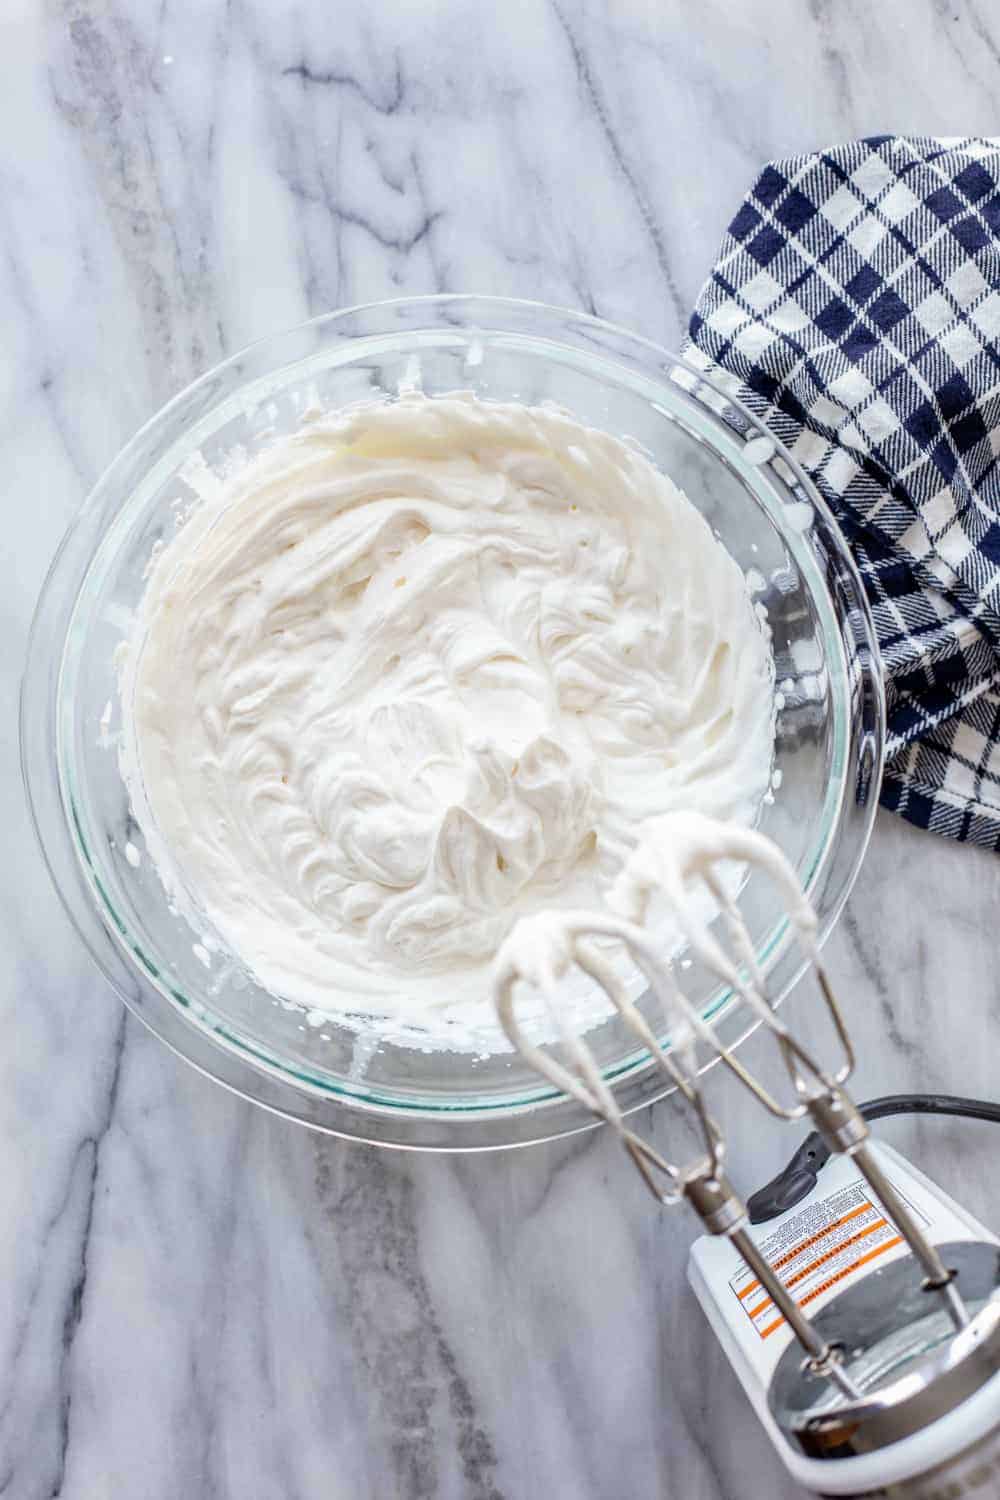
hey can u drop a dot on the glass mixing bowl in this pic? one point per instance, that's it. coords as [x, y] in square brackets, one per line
[829, 724]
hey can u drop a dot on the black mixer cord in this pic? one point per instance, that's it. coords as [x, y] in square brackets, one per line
[798, 1179]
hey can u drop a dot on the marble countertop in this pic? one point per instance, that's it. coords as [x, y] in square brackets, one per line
[199, 1299]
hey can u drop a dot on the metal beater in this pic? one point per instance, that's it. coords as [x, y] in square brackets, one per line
[674, 854]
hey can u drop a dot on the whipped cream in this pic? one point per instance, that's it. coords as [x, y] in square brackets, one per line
[420, 669]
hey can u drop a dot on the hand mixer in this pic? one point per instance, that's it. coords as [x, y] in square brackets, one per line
[890, 1385]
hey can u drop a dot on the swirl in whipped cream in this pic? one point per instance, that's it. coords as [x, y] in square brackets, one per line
[420, 669]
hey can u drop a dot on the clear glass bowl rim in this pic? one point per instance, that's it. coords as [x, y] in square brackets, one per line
[254, 1079]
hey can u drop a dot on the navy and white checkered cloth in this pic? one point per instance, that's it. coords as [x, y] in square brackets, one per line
[855, 308]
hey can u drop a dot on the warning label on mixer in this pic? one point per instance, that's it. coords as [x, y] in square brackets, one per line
[818, 1249]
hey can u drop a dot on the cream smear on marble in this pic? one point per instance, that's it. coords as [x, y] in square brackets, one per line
[418, 670]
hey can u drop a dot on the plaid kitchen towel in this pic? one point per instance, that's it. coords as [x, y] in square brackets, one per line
[855, 308]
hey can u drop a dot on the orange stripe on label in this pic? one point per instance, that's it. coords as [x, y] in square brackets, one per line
[836, 1250]
[813, 1266]
[821, 1234]
[832, 1280]
[862, 1260]
[806, 1244]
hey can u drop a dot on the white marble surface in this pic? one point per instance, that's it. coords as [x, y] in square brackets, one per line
[200, 1300]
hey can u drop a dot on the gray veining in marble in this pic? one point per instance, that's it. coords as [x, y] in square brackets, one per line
[200, 1300]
